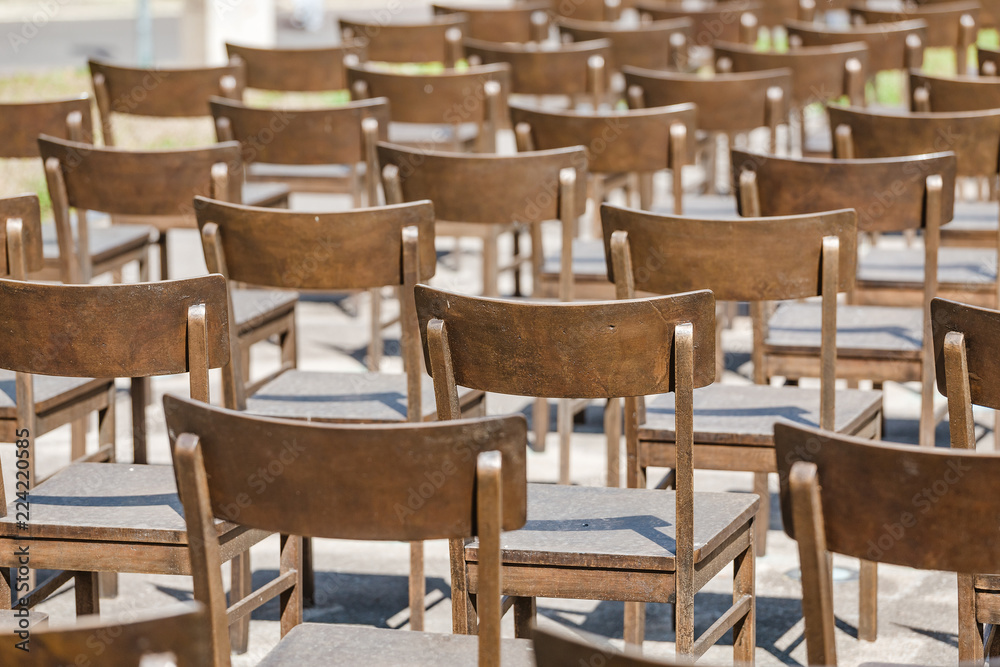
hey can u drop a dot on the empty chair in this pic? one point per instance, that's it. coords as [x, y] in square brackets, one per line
[953, 93]
[525, 21]
[406, 41]
[891, 46]
[304, 69]
[729, 21]
[650, 44]
[215, 450]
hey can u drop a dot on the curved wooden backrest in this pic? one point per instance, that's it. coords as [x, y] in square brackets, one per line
[973, 136]
[535, 70]
[500, 23]
[989, 61]
[354, 249]
[752, 259]
[913, 506]
[127, 182]
[331, 135]
[601, 349]
[981, 329]
[943, 18]
[130, 330]
[887, 42]
[300, 69]
[488, 188]
[181, 630]
[349, 497]
[22, 122]
[643, 45]
[817, 71]
[616, 141]
[402, 42]
[453, 96]
[888, 194]
[26, 208]
[957, 93]
[589, 10]
[726, 102]
[718, 21]
[165, 92]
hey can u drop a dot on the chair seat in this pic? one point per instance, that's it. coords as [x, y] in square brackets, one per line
[745, 415]
[863, 332]
[326, 644]
[596, 527]
[104, 242]
[115, 502]
[50, 391]
[253, 307]
[345, 397]
[265, 194]
[971, 269]
[975, 222]
[987, 582]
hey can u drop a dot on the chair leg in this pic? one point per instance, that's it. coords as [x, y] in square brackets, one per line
[540, 422]
[418, 586]
[745, 630]
[308, 574]
[240, 585]
[78, 438]
[970, 632]
[868, 599]
[517, 262]
[524, 617]
[108, 585]
[565, 428]
[88, 599]
[106, 426]
[139, 387]
[463, 614]
[164, 263]
[764, 513]
[613, 433]
[375, 343]
[490, 264]
[927, 409]
[635, 626]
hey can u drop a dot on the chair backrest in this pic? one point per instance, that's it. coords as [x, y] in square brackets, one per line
[973, 136]
[650, 44]
[20, 236]
[726, 102]
[181, 631]
[989, 61]
[560, 70]
[898, 45]
[819, 73]
[165, 93]
[719, 21]
[953, 93]
[22, 122]
[911, 506]
[404, 41]
[944, 19]
[590, 10]
[525, 187]
[216, 451]
[309, 69]
[526, 21]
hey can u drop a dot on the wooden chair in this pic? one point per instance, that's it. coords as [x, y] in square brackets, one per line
[487, 195]
[953, 93]
[964, 358]
[215, 450]
[158, 187]
[410, 41]
[896, 276]
[654, 44]
[470, 103]
[181, 631]
[561, 71]
[851, 496]
[105, 250]
[358, 249]
[304, 69]
[891, 46]
[878, 343]
[727, 21]
[90, 517]
[173, 93]
[599, 350]
[591, 10]
[949, 24]
[525, 21]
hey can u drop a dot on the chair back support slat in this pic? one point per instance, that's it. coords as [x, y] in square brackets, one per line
[980, 327]
[301, 136]
[527, 183]
[957, 93]
[356, 249]
[63, 329]
[126, 182]
[888, 193]
[566, 350]
[710, 22]
[726, 102]
[400, 42]
[26, 208]
[751, 259]
[973, 136]
[616, 141]
[451, 97]
[500, 23]
[311, 69]
[427, 492]
[942, 18]
[887, 47]
[535, 71]
[22, 122]
[898, 504]
[165, 93]
[644, 45]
